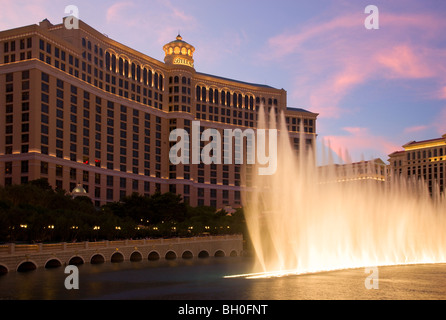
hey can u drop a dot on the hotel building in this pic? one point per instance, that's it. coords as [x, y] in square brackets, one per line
[423, 160]
[366, 170]
[77, 107]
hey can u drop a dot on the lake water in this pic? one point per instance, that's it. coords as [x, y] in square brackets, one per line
[203, 279]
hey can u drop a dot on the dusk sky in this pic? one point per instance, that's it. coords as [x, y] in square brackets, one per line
[375, 90]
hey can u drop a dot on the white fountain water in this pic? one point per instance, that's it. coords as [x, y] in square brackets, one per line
[303, 220]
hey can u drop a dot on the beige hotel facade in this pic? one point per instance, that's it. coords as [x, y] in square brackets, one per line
[77, 107]
[421, 160]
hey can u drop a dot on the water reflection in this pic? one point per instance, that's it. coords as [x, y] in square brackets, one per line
[203, 279]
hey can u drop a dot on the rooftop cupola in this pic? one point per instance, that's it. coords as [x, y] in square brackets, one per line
[179, 52]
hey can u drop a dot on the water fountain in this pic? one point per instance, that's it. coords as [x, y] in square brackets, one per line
[303, 219]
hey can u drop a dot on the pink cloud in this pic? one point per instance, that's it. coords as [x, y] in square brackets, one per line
[19, 13]
[285, 44]
[403, 62]
[441, 93]
[355, 141]
[440, 122]
[116, 12]
[415, 129]
[336, 56]
[163, 19]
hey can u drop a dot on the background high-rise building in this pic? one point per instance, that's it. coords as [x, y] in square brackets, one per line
[424, 160]
[77, 107]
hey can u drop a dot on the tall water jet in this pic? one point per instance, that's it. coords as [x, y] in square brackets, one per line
[305, 219]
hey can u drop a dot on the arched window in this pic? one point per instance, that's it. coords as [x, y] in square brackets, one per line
[198, 93]
[150, 78]
[144, 76]
[203, 94]
[126, 68]
[211, 95]
[246, 102]
[161, 82]
[138, 73]
[107, 61]
[113, 63]
[84, 42]
[121, 66]
[155, 80]
[251, 103]
[216, 96]
[240, 100]
[184, 80]
[176, 79]
[228, 98]
[234, 100]
[133, 71]
[223, 98]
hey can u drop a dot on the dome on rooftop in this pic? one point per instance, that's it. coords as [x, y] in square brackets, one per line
[179, 52]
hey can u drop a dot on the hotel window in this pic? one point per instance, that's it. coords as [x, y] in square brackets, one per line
[122, 183]
[24, 166]
[85, 176]
[73, 174]
[109, 194]
[109, 181]
[8, 167]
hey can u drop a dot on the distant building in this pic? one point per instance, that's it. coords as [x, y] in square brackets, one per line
[374, 169]
[79, 106]
[423, 160]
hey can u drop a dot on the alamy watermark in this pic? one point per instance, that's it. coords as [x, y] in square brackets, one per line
[72, 280]
[219, 150]
[372, 280]
[72, 20]
[372, 20]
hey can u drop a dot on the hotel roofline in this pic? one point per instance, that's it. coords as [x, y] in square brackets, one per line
[137, 55]
[425, 143]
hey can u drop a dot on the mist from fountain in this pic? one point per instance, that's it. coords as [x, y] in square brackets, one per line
[305, 219]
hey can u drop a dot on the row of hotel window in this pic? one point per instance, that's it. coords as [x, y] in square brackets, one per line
[110, 130]
[425, 154]
[214, 96]
[134, 71]
[21, 51]
[87, 115]
[147, 77]
[73, 127]
[9, 109]
[143, 75]
[122, 66]
[110, 183]
[154, 80]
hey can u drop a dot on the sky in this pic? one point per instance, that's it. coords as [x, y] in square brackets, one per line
[374, 89]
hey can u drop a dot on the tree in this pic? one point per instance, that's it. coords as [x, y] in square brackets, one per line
[166, 207]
